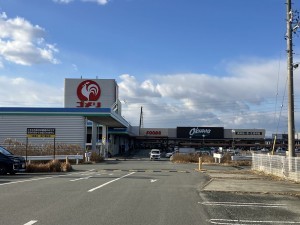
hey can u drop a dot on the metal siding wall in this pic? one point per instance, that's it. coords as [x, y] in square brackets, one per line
[69, 129]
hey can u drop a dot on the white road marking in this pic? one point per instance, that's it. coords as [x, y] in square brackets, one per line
[93, 189]
[82, 178]
[88, 172]
[152, 180]
[31, 222]
[245, 222]
[23, 181]
[37, 179]
[85, 174]
[244, 204]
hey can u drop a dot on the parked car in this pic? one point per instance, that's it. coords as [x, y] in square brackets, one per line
[169, 154]
[281, 151]
[10, 163]
[264, 150]
[155, 154]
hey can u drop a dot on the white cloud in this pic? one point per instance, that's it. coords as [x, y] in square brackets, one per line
[18, 92]
[246, 98]
[100, 2]
[63, 1]
[23, 43]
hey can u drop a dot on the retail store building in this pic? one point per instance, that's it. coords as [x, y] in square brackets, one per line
[92, 119]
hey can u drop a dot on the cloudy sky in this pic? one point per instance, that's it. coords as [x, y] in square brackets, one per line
[186, 62]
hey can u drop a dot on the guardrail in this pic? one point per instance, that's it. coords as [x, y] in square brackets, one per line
[241, 158]
[52, 157]
[219, 156]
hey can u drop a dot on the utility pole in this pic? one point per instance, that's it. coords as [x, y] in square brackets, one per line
[291, 119]
[141, 120]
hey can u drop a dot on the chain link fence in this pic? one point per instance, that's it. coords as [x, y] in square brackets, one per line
[281, 166]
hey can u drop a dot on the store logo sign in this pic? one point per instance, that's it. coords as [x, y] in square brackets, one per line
[199, 131]
[152, 132]
[88, 92]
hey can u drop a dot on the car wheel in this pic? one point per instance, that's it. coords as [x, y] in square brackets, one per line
[3, 170]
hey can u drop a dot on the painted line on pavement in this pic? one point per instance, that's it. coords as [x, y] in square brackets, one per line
[93, 189]
[245, 222]
[37, 179]
[82, 178]
[243, 204]
[31, 222]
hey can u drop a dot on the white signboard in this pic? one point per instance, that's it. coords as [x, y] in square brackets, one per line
[90, 93]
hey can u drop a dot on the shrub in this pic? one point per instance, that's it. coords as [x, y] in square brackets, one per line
[66, 167]
[226, 158]
[34, 168]
[191, 158]
[96, 158]
[53, 166]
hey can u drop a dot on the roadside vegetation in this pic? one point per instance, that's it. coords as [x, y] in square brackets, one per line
[208, 159]
[53, 166]
[95, 158]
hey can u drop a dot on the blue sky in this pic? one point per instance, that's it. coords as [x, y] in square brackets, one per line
[187, 62]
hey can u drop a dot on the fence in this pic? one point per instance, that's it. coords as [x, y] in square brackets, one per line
[281, 166]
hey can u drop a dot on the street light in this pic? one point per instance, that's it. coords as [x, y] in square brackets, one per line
[203, 136]
[233, 133]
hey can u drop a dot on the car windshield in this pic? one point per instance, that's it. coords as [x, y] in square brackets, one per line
[155, 152]
[4, 151]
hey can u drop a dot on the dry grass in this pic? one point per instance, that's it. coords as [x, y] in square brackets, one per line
[19, 148]
[191, 158]
[53, 166]
[96, 158]
[194, 158]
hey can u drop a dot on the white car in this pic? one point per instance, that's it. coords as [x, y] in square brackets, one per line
[155, 154]
[169, 154]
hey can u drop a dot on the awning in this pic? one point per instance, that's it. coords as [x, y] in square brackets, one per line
[102, 116]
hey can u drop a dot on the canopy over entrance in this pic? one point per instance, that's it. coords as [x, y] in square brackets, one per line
[102, 116]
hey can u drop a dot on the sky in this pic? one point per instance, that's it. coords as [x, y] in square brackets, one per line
[218, 63]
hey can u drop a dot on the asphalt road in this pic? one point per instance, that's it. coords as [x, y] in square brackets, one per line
[134, 192]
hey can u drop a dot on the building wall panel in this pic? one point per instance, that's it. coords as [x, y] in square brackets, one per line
[69, 129]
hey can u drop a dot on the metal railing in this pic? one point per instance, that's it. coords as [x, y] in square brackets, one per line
[52, 157]
[281, 166]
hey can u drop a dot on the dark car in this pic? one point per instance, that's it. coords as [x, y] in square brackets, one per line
[10, 163]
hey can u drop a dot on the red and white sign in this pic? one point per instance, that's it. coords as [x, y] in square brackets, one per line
[156, 132]
[153, 132]
[88, 93]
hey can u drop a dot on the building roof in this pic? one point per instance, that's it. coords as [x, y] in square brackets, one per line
[103, 116]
